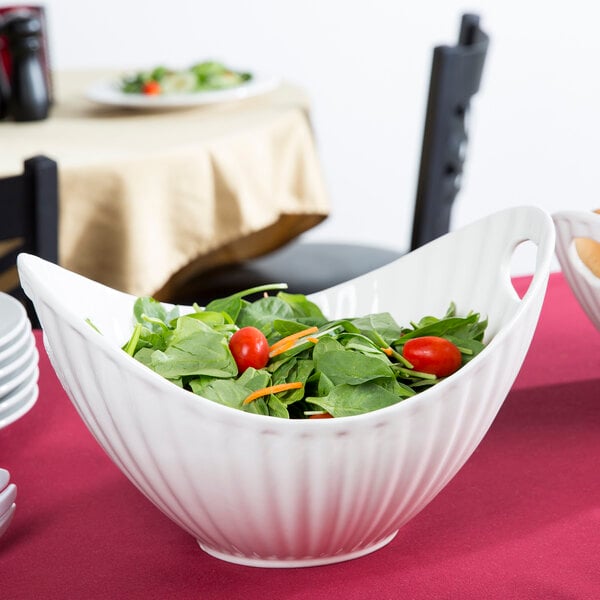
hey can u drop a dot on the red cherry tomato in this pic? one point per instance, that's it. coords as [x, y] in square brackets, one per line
[434, 355]
[249, 348]
[321, 416]
[151, 88]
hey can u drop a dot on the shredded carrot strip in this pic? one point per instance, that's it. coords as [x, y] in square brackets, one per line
[273, 389]
[293, 337]
[387, 351]
[314, 340]
[281, 349]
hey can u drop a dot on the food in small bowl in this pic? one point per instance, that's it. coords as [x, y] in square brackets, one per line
[589, 252]
[578, 252]
[279, 492]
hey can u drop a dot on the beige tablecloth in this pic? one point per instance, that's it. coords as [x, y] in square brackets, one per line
[149, 198]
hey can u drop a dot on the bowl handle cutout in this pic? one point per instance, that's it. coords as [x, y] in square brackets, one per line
[522, 243]
[521, 264]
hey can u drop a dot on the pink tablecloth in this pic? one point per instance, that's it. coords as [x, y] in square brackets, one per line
[520, 520]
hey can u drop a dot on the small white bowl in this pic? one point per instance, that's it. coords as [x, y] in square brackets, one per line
[583, 283]
[272, 492]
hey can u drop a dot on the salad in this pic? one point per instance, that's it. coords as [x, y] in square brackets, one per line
[280, 356]
[203, 76]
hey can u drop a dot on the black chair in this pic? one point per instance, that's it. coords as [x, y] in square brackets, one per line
[455, 78]
[28, 222]
[310, 267]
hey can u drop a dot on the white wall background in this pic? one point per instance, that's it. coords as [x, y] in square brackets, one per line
[535, 126]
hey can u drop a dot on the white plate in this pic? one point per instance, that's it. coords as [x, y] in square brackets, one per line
[27, 372]
[20, 361]
[7, 498]
[12, 318]
[6, 518]
[17, 396]
[23, 386]
[4, 478]
[20, 409]
[108, 92]
[16, 346]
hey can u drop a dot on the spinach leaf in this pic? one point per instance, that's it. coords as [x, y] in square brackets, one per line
[293, 370]
[362, 343]
[439, 327]
[194, 349]
[304, 310]
[349, 400]
[285, 327]
[153, 314]
[261, 314]
[348, 366]
[232, 305]
[229, 392]
[277, 408]
[378, 327]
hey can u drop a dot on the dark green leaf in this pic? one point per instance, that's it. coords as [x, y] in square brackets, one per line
[349, 400]
[347, 366]
[378, 327]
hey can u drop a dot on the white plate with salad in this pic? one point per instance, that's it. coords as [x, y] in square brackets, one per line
[203, 83]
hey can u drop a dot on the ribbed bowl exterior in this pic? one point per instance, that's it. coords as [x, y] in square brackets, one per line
[272, 492]
[584, 284]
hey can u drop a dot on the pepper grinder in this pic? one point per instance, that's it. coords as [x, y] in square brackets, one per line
[4, 92]
[29, 99]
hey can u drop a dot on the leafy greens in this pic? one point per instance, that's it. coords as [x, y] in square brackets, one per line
[348, 367]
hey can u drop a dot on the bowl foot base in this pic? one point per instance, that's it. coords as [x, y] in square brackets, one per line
[285, 563]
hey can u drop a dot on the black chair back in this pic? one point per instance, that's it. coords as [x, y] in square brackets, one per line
[28, 221]
[455, 78]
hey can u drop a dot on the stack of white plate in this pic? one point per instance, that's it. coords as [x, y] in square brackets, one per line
[18, 361]
[8, 494]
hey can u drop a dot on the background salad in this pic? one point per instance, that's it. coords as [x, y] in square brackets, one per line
[203, 76]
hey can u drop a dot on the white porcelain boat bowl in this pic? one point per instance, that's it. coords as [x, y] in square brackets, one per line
[264, 491]
[584, 284]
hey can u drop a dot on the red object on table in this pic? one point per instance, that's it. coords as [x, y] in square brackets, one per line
[520, 520]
